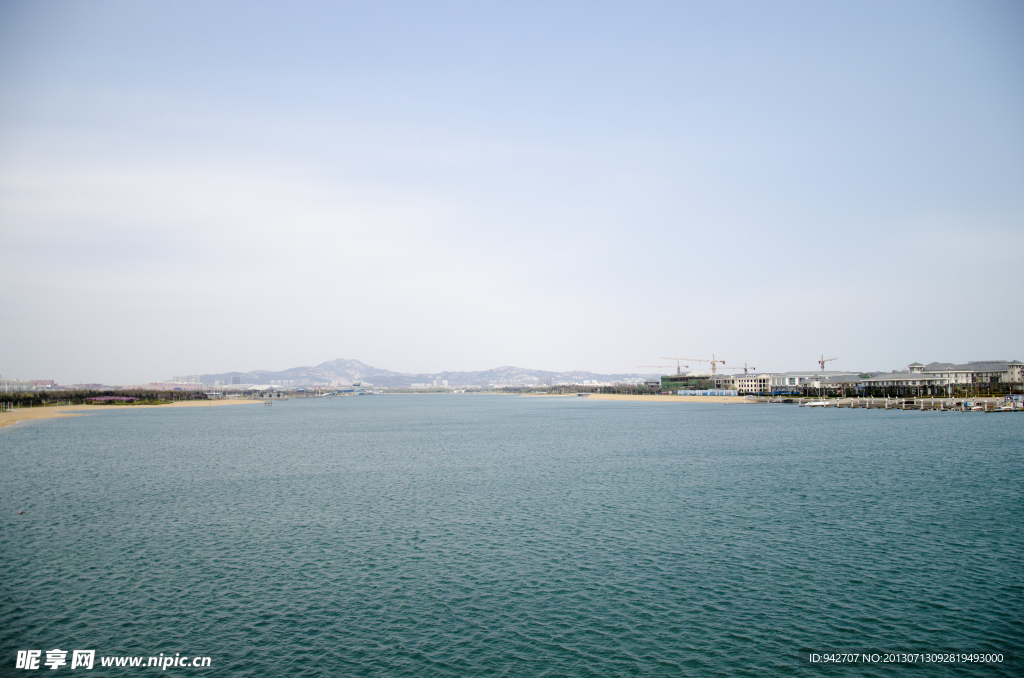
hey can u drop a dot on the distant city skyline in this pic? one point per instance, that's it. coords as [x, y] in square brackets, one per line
[192, 187]
[350, 371]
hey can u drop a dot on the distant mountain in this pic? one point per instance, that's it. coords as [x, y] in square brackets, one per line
[328, 372]
[342, 370]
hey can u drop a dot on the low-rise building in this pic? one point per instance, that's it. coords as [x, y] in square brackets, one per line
[975, 373]
[934, 378]
[724, 381]
[898, 381]
[744, 383]
[844, 384]
[800, 382]
[753, 383]
[695, 381]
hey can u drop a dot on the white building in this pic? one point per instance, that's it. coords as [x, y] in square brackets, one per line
[926, 383]
[743, 383]
[13, 385]
[974, 373]
[753, 383]
[934, 377]
[798, 381]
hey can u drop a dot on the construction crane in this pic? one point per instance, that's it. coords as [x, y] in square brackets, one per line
[825, 360]
[665, 367]
[746, 369]
[713, 361]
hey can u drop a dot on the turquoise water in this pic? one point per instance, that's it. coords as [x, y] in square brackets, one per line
[491, 535]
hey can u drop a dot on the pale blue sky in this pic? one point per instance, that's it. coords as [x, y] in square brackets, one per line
[203, 187]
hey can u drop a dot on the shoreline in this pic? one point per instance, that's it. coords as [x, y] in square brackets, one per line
[730, 400]
[12, 417]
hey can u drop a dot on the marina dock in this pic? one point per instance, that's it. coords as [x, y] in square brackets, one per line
[988, 404]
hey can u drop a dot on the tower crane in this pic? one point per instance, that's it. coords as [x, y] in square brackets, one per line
[825, 360]
[678, 365]
[746, 369]
[713, 361]
[666, 367]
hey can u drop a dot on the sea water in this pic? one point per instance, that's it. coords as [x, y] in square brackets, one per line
[480, 535]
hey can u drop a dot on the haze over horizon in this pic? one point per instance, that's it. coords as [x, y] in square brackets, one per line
[197, 188]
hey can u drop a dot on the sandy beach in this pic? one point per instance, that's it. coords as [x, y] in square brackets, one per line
[54, 412]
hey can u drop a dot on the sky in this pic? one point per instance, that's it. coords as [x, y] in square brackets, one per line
[200, 187]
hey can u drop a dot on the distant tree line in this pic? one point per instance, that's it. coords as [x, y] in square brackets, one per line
[80, 397]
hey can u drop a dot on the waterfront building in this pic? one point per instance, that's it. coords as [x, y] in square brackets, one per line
[695, 381]
[744, 383]
[799, 382]
[842, 384]
[753, 383]
[935, 378]
[976, 373]
[724, 381]
[924, 384]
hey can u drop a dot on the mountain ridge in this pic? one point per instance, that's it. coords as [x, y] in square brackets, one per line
[345, 370]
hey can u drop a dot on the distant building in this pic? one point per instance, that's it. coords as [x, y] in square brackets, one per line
[753, 383]
[15, 385]
[974, 373]
[743, 383]
[935, 378]
[799, 382]
[175, 386]
[923, 383]
[842, 383]
[695, 381]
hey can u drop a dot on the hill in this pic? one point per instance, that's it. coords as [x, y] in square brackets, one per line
[346, 370]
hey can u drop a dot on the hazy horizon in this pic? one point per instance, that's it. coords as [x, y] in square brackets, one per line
[638, 371]
[200, 188]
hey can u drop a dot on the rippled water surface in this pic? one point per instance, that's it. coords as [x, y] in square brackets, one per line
[473, 535]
